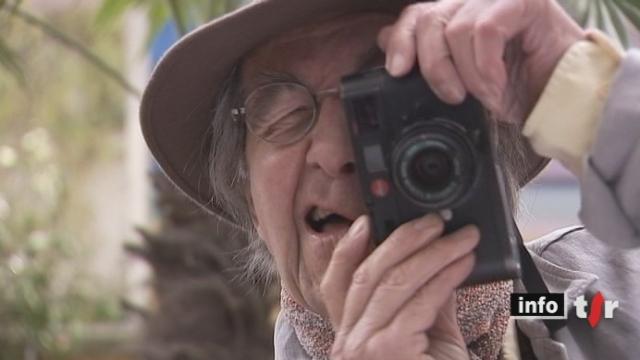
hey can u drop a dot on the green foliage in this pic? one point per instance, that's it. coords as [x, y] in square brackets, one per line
[63, 39]
[617, 13]
[8, 59]
[10, 62]
[631, 9]
[112, 10]
[185, 15]
[614, 13]
[53, 131]
[64, 119]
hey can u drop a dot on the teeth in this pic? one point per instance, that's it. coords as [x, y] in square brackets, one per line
[319, 214]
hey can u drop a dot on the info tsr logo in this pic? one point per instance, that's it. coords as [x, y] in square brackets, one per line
[553, 306]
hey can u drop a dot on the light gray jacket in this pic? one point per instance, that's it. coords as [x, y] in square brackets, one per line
[573, 260]
[579, 263]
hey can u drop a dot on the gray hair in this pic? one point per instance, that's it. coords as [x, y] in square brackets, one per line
[229, 176]
[230, 180]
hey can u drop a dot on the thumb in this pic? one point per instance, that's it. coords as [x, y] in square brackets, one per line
[347, 256]
[446, 341]
[447, 320]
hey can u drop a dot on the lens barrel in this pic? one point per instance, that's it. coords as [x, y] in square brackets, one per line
[434, 164]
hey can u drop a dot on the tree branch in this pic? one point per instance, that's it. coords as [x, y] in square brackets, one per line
[75, 46]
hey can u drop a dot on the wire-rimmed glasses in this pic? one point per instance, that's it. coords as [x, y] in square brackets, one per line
[281, 112]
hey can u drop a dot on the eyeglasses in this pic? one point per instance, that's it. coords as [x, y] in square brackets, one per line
[282, 112]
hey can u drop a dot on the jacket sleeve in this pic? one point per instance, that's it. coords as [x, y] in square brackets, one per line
[588, 118]
[610, 181]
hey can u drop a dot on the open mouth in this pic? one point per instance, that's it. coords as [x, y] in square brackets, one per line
[321, 220]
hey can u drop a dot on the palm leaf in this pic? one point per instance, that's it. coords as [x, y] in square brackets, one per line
[582, 20]
[619, 27]
[602, 13]
[600, 16]
[575, 8]
[631, 10]
[634, 3]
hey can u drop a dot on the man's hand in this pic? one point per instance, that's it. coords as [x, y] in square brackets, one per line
[398, 302]
[460, 47]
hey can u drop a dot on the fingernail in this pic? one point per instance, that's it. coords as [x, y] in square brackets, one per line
[474, 236]
[395, 65]
[426, 222]
[454, 93]
[358, 227]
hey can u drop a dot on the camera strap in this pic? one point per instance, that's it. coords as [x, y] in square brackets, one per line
[533, 281]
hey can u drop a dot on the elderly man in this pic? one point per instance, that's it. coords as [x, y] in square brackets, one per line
[243, 116]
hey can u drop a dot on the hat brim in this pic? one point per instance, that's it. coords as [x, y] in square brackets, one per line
[178, 102]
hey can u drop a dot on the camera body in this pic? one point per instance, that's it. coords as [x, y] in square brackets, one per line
[416, 154]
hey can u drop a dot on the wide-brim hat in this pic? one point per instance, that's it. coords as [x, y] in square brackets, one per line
[178, 102]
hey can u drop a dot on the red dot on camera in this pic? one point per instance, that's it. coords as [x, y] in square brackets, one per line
[379, 187]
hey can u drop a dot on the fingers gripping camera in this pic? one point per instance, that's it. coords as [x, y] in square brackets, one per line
[416, 154]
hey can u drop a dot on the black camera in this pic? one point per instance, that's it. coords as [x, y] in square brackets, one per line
[416, 154]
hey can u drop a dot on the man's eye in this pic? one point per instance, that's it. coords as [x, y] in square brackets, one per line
[280, 127]
[287, 113]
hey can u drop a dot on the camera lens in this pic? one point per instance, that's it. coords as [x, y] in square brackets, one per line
[434, 164]
[432, 169]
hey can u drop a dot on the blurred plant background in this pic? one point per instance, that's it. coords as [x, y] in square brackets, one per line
[68, 95]
[60, 120]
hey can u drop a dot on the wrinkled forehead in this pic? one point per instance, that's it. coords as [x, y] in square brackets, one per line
[319, 53]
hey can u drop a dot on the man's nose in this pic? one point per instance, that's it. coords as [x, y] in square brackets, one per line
[330, 148]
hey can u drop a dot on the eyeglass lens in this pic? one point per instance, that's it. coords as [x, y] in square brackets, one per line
[280, 113]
